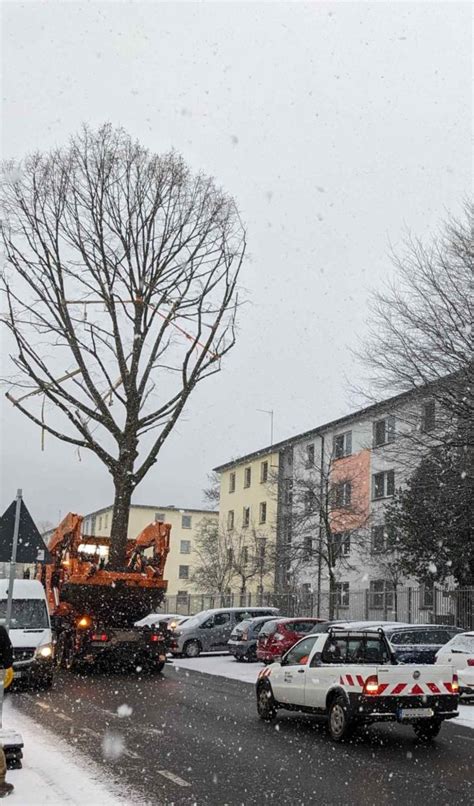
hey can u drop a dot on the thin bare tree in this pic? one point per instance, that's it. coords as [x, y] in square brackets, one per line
[420, 336]
[212, 570]
[120, 292]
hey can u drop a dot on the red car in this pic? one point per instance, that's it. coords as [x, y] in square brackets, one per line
[279, 635]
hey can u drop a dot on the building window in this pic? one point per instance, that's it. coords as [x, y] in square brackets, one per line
[383, 484]
[186, 521]
[247, 476]
[308, 547]
[185, 547]
[342, 494]
[310, 455]
[381, 594]
[245, 555]
[342, 445]
[230, 519]
[263, 472]
[341, 544]
[106, 520]
[427, 597]
[183, 572]
[309, 501]
[341, 591]
[159, 517]
[384, 431]
[246, 517]
[232, 482]
[100, 522]
[289, 492]
[262, 511]
[377, 535]
[182, 597]
[428, 415]
[230, 556]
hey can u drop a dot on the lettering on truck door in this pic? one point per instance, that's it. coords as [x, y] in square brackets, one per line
[324, 669]
[288, 680]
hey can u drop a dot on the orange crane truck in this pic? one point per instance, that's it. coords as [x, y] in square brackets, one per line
[94, 609]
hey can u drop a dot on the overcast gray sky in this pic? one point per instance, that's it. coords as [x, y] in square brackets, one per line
[336, 126]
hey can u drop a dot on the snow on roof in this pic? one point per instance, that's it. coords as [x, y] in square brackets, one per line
[23, 589]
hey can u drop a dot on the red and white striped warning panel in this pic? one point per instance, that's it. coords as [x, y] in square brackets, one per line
[356, 681]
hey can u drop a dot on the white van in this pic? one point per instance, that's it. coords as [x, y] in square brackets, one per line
[30, 632]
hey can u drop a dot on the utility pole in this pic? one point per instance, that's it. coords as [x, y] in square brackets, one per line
[270, 412]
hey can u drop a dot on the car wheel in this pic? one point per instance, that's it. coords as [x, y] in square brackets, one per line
[265, 703]
[158, 667]
[339, 722]
[427, 730]
[192, 649]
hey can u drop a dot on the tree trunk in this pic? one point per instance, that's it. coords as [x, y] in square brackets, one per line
[332, 595]
[119, 530]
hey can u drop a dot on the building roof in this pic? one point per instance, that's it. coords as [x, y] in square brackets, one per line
[157, 508]
[321, 429]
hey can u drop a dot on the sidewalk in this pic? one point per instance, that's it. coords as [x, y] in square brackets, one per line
[53, 773]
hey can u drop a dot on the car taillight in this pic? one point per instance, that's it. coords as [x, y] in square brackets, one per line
[455, 684]
[470, 661]
[155, 638]
[371, 685]
[99, 636]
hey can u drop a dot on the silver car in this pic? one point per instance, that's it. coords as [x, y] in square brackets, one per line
[210, 630]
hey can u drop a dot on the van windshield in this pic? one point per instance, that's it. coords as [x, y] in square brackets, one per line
[26, 614]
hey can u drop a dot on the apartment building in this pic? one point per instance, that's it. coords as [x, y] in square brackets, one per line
[184, 526]
[248, 516]
[336, 480]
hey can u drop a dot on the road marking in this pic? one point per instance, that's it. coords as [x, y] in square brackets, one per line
[461, 736]
[131, 754]
[90, 732]
[172, 777]
[60, 715]
[43, 705]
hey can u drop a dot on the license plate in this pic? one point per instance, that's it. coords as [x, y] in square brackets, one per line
[415, 713]
[18, 674]
[125, 635]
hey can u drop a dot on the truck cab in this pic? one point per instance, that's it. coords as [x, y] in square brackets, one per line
[30, 632]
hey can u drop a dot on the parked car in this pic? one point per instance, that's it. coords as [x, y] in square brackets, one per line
[242, 643]
[459, 653]
[277, 636]
[412, 643]
[210, 630]
[30, 632]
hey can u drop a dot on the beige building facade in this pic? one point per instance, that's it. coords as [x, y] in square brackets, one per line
[184, 527]
[247, 518]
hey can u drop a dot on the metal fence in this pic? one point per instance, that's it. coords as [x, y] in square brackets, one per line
[410, 605]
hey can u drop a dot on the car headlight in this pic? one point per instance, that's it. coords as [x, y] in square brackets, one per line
[44, 651]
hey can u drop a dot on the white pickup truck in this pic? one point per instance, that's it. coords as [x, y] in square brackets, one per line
[352, 678]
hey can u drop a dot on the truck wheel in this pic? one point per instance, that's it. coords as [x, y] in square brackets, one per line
[427, 730]
[339, 721]
[192, 649]
[266, 703]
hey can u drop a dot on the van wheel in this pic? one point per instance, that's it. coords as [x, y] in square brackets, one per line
[266, 703]
[427, 730]
[339, 722]
[192, 649]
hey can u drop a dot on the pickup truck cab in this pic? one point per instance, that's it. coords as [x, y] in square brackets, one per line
[352, 678]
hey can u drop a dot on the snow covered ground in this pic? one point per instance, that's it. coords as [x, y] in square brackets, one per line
[226, 666]
[54, 774]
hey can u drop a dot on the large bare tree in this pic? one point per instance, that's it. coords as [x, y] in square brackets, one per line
[120, 295]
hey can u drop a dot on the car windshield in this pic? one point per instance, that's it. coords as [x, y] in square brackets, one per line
[427, 637]
[244, 625]
[462, 643]
[26, 614]
[194, 621]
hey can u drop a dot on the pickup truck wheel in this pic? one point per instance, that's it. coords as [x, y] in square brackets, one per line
[339, 722]
[266, 704]
[192, 649]
[427, 730]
